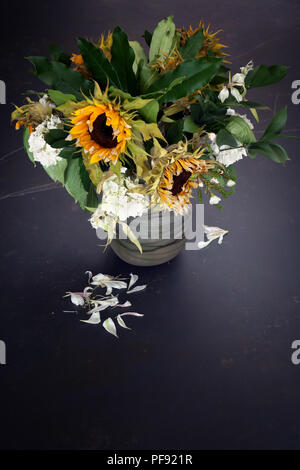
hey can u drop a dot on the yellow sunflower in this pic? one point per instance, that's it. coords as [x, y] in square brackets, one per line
[211, 40]
[101, 131]
[175, 186]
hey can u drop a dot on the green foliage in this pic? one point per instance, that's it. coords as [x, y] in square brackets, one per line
[226, 138]
[96, 62]
[59, 77]
[240, 129]
[263, 75]
[192, 46]
[122, 59]
[60, 98]
[57, 53]
[175, 132]
[150, 111]
[162, 39]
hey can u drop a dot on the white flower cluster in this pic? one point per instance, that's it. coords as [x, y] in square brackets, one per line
[43, 152]
[225, 154]
[238, 80]
[119, 202]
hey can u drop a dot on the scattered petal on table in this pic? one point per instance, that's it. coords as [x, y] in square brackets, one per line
[94, 319]
[133, 279]
[109, 325]
[136, 289]
[122, 323]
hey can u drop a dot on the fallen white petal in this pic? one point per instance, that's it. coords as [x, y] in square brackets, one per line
[133, 279]
[76, 299]
[109, 325]
[136, 289]
[134, 314]
[125, 304]
[204, 244]
[122, 323]
[94, 319]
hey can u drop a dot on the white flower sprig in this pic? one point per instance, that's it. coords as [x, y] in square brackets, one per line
[234, 83]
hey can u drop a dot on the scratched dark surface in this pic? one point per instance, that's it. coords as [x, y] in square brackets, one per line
[209, 365]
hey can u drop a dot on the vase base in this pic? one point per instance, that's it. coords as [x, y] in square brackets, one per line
[153, 253]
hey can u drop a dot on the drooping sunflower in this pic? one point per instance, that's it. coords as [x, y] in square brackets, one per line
[32, 114]
[101, 131]
[211, 41]
[174, 175]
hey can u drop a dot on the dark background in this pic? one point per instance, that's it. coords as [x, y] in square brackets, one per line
[209, 365]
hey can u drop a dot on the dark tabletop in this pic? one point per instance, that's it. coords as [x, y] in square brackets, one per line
[209, 365]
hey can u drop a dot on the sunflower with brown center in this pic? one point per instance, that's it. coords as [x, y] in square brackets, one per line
[175, 186]
[101, 131]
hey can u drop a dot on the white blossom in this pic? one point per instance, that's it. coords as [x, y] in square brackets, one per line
[214, 200]
[226, 155]
[224, 94]
[212, 233]
[230, 183]
[43, 152]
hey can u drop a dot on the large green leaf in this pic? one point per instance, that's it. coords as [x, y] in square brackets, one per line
[58, 54]
[263, 75]
[139, 54]
[193, 83]
[193, 45]
[150, 111]
[271, 150]
[175, 132]
[162, 39]
[96, 62]
[122, 59]
[79, 185]
[225, 138]
[60, 98]
[57, 172]
[276, 125]
[60, 77]
[240, 130]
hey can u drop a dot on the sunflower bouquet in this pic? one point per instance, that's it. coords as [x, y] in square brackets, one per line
[123, 128]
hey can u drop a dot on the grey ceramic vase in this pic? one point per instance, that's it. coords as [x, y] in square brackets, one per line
[162, 238]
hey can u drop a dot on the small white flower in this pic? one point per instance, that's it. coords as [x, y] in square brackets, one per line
[223, 95]
[236, 94]
[238, 79]
[214, 181]
[230, 183]
[214, 200]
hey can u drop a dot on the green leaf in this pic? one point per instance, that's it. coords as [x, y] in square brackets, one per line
[263, 75]
[225, 138]
[240, 130]
[175, 132]
[58, 76]
[26, 145]
[162, 39]
[276, 125]
[195, 82]
[60, 98]
[150, 111]
[70, 152]
[139, 54]
[122, 59]
[56, 138]
[96, 62]
[148, 37]
[193, 45]
[58, 54]
[274, 151]
[57, 172]
[79, 185]
[190, 126]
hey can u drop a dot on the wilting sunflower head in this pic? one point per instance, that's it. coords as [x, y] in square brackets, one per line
[174, 174]
[101, 131]
[168, 62]
[32, 114]
[211, 41]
